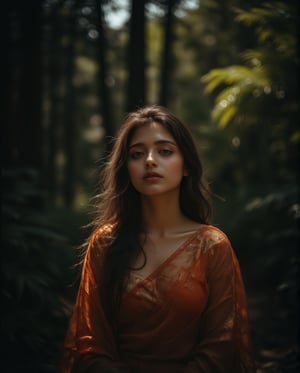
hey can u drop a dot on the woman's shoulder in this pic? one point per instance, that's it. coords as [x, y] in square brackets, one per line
[102, 232]
[101, 236]
[212, 233]
[210, 239]
[215, 246]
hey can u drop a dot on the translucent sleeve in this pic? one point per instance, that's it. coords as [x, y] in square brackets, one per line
[224, 341]
[90, 343]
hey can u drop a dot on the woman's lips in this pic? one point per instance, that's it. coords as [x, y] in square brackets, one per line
[152, 176]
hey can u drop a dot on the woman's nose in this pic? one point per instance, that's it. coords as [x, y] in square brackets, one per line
[150, 160]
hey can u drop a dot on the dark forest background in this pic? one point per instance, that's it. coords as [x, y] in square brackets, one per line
[229, 69]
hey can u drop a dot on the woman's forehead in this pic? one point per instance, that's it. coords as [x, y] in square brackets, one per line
[151, 132]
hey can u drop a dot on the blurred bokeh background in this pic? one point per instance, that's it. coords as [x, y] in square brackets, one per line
[70, 70]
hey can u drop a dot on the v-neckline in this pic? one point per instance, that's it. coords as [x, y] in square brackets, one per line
[165, 262]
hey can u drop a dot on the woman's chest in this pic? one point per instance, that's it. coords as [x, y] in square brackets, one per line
[178, 292]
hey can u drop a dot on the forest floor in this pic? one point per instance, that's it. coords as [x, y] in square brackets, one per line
[275, 334]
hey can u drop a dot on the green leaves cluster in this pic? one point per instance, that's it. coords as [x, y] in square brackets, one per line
[243, 84]
[264, 80]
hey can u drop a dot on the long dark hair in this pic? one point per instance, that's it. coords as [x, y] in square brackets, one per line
[119, 203]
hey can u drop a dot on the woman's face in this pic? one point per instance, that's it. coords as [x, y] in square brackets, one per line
[155, 164]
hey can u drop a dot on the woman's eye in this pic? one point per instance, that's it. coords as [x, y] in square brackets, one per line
[165, 152]
[136, 155]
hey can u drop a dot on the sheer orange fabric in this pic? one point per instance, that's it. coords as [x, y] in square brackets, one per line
[189, 316]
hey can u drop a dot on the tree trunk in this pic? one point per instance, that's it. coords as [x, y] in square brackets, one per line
[26, 119]
[69, 138]
[136, 56]
[8, 138]
[54, 123]
[167, 65]
[104, 89]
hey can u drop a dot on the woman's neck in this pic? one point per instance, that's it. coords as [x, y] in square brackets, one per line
[162, 214]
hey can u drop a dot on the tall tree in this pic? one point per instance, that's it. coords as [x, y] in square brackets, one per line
[136, 55]
[103, 77]
[70, 122]
[55, 68]
[26, 71]
[8, 139]
[167, 61]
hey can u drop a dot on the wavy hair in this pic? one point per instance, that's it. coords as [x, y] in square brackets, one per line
[119, 204]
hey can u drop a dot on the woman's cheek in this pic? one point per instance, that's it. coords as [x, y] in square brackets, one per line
[133, 171]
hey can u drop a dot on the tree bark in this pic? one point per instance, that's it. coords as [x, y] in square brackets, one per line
[167, 65]
[55, 68]
[70, 122]
[103, 74]
[27, 95]
[136, 56]
[8, 138]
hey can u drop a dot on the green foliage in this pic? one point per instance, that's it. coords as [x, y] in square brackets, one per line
[264, 80]
[267, 237]
[243, 85]
[34, 262]
[254, 157]
[274, 22]
[257, 102]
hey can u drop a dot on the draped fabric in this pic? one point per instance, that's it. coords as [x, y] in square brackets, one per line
[189, 316]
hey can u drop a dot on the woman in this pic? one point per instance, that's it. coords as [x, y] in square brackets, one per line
[161, 289]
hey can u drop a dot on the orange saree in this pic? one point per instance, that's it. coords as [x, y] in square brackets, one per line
[189, 316]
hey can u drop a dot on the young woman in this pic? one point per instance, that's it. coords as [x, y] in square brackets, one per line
[161, 289]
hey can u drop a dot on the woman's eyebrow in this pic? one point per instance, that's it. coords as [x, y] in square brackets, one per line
[156, 143]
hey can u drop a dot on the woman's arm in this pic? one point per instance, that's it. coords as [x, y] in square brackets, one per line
[224, 343]
[90, 344]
